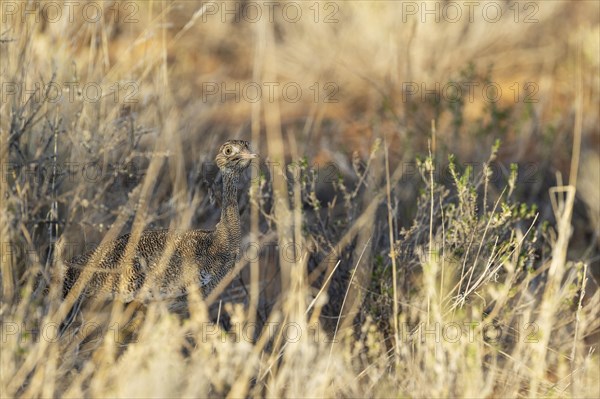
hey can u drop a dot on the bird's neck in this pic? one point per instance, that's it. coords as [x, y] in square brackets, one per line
[230, 215]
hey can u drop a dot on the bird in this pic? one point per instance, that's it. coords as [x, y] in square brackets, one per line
[165, 263]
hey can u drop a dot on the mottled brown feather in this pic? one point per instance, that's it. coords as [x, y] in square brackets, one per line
[198, 257]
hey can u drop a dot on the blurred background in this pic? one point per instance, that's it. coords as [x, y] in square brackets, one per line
[93, 93]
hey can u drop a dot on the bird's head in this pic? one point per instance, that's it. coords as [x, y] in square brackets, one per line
[234, 156]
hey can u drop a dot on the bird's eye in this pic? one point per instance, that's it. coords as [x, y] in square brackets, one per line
[227, 151]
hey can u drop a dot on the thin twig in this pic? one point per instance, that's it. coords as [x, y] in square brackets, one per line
[337, 325]
[392, 252]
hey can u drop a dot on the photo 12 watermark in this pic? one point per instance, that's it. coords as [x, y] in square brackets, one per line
[53, 332]
[452, 12]
[92, 172]
[468, 332]
[268, 252]
[469, 92]
[465, 332]
[292, 12]
[327, 173]
[253, 92]
[120, 92]
[90, 12]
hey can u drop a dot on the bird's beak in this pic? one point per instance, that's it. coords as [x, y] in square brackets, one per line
[248, 155]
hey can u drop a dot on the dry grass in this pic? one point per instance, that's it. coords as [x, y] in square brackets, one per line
[377, 262]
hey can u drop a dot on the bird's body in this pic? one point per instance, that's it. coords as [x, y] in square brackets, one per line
[165, 263]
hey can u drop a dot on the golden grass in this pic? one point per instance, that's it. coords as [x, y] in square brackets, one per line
[414, 278]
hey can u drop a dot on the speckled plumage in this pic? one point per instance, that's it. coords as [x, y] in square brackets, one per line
[197, 257]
